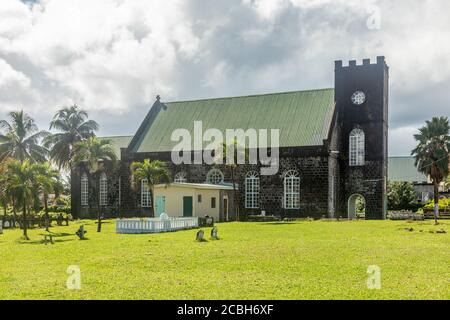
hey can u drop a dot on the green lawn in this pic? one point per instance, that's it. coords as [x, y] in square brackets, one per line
[302, 260]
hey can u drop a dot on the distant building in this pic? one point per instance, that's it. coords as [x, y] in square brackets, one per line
[403, 169]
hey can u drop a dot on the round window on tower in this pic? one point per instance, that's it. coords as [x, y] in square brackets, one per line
[358, 98]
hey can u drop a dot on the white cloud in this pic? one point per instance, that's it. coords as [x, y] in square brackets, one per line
[116, 55]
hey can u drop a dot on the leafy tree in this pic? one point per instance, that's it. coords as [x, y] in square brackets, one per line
[21, 140]
[239, 153]
[46, 182]
[4, 197]
[95, 154]
[447, 182]
[154, 172]
[432, 152]
[401, 195]
[22, 182]
[73, 126]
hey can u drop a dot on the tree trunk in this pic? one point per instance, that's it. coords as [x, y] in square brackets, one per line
[73, 205]
[436, 202]
[47, 217]
[14, 211]
[25, 222]
[5, 212]
[99, 221]
[236, 202]
[152, 203]
[99, 211]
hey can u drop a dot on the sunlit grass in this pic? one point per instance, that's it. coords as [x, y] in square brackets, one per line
[301, 260]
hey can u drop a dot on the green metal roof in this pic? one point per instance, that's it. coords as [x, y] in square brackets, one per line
[118, 142]
[404, 169]
[303, 117]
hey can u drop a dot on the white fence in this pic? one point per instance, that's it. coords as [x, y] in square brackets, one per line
[154, 225]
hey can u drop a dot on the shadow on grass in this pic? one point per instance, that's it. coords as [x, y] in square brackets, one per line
[57, 238]
[277, 223]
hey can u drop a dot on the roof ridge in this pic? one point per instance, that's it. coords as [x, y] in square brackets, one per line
[250, 95]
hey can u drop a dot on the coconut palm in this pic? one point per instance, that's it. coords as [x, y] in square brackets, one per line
[432, 153]
[4, 199]
[22, 182]
[239, 153]
[21, 139]
[153, 172]
[46, 182]
[94, 155]
[73, 126]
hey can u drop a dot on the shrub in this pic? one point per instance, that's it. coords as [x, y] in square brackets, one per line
[401, 196]
[444, 204]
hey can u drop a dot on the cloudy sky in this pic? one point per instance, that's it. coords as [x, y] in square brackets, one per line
[113, 57]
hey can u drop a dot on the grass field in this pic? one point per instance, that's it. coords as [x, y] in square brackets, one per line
[302, 260]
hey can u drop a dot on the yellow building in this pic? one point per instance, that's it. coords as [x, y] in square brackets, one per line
[194, 200]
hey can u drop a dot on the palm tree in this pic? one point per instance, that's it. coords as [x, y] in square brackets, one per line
[21, 140]
[7, 196]
[73, 126]
[4, 199]
[95, 154]
[153, 172]
[46, 181]
[22, 181]
[238, 152]
[432, 154]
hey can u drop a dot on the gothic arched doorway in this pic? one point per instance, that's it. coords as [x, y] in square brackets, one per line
[356, 206]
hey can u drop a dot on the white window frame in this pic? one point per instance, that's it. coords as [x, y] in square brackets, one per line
[146, 197]
[103, 189]
[214, 176]
[252, 187]
[291, 183]
[357, 151]
[180, 177]
[84, 190]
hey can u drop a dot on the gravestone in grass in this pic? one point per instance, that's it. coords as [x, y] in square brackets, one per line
[80, 233]
[214, 234]
[200, 235]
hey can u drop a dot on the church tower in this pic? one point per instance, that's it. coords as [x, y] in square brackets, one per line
[361, 95]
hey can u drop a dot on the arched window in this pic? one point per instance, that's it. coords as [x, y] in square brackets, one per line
[357, 148]
[252, 190]
[291, 190]
[214, 176]
[146, 198]
[180, 177]
[103, 191]
[84, 189]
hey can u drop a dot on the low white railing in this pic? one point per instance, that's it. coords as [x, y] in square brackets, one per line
[154, 225]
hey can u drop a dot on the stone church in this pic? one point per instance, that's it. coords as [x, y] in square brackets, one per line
[333, 150]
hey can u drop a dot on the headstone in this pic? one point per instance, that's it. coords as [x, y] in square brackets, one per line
[200, 235]
[214, 234]
[263, 213]
[6, 224]
[59, 220]
[80, 233]
[164, 216]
